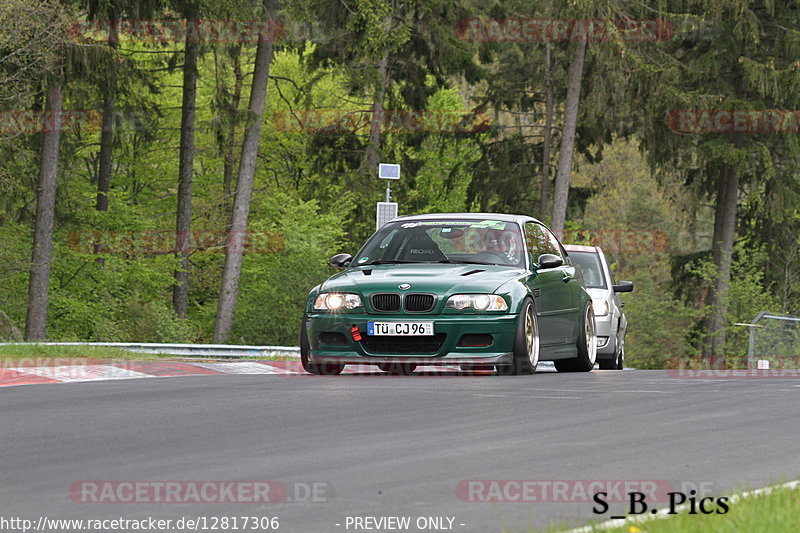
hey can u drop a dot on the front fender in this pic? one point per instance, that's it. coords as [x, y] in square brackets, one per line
[515, 292]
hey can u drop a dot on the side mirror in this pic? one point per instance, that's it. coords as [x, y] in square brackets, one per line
[549, 261]
[341, 260]
[623, 286]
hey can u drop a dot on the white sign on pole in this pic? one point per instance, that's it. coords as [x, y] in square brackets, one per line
[386, 212]
[388, 171]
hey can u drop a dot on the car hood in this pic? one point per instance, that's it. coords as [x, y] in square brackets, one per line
[427, 277]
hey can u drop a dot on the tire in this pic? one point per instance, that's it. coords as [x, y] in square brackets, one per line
[620, 359]
[323, 369]
[526, 343]
[398, 369]
[586, 344]
[607, 364]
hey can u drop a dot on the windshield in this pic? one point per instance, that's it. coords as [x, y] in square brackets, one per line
[589, 263]
[489, 242]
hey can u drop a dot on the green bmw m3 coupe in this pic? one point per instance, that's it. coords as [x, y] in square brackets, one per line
[480, 291]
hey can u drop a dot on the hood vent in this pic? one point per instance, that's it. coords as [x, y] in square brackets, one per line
[473, 272]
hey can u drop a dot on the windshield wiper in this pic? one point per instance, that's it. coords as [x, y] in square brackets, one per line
[392, 262]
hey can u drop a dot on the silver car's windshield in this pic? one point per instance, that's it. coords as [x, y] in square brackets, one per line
[589, 263]
[491, 242]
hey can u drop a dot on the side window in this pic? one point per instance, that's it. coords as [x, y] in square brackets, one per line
[556, 246]
[540, 241]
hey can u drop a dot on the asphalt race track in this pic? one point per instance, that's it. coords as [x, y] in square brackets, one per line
[380, 446]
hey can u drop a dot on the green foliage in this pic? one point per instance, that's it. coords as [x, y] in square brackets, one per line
[279, 282]
[638, 223]
[310, 188]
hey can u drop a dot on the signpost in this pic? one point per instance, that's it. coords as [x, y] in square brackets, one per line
[387, 210]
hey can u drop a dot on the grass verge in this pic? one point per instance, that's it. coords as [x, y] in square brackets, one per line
[40, 352]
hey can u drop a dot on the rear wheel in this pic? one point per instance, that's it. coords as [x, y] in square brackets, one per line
[526, 345]
[398, 369]
[586, 344]
[320, 369]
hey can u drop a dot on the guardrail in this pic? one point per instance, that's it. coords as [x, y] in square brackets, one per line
[232, 351]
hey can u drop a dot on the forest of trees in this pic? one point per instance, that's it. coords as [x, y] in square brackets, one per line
[182, 170]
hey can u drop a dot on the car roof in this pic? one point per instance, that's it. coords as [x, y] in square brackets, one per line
[582, 248]
[469, 216]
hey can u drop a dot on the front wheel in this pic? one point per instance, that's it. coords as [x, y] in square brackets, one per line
[621, 355]
[586, 345]
[526, 345]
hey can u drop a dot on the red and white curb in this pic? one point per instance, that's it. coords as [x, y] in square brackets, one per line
[76, 372]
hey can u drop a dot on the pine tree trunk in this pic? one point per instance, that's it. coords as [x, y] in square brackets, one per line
[244, 185]
[372, 156]
[230, 156]
[561, 192]
[183, 226]
[107, 131]
[41, 256]
[546, 190]
[716, 242]
[726, 210]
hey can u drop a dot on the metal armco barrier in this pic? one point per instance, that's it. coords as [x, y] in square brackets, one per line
[185, 350]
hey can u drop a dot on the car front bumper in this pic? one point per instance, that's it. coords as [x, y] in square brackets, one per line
[606, 336]
[446, 349]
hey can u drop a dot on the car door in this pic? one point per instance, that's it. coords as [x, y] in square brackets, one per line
[551, 287]
[619, 320]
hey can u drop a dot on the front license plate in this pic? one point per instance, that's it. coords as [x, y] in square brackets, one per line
[400, 328]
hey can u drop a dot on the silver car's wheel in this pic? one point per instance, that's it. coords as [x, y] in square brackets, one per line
[621, 356]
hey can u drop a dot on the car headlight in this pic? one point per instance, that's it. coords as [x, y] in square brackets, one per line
[600, 307]
[479, 302]
[334, 301]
